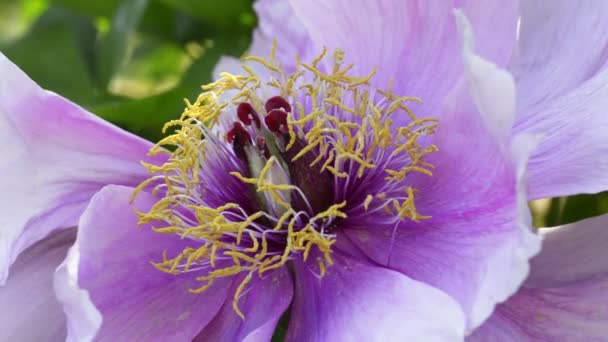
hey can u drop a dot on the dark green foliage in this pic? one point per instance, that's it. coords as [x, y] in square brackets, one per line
[129, 61]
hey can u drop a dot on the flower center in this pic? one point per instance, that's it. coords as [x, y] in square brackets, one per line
[256, 145]
[254, 181]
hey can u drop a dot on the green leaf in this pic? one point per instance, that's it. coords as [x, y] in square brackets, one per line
[64, 53]
[279, 334]
[281, 330]
[583, 206]
[53, 53]
[225, 16]
[564, 210]
[147, 116]
[114, 46]
[153, 61]
[90, 8]
[144, 117]
[166, 22]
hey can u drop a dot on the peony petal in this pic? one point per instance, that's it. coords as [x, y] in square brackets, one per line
[112, 260]
[477, 243]
[562, 87]
[227, 64]
[30, 311]
[83, 318]
[415, 43]
[566, 296]
[571, 252]
[473, 250]
[55, 156]
[485, 80]
[574, 128]
[266, 300]
[354, 301]
[562, 44]
[276, 22]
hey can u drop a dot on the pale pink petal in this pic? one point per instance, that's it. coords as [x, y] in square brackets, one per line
[562, 93]
[566, 296]
[30, 311]
[278, 23]
[263, 304]
[485, 79]
[55, 156]
[478, 241]
[355, 301]
[415, 43]
[112, 259]
[562, 44]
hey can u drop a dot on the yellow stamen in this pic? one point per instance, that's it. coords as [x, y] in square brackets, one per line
[340, 119]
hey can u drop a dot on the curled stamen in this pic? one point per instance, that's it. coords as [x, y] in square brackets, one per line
[341, 156]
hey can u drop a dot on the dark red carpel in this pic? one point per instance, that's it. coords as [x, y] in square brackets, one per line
[277, 102]
[239, 134]
[247, 113]
[261, 145]
[276, 121]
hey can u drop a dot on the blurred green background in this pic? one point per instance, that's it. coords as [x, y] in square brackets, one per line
[133, 62]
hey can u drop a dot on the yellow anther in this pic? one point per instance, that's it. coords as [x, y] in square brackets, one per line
[305, 150]
[316, 61]
[283, 219]
[243, 225]
[321, 266]
[244, 179]
[337, 173]
[349, 128]
[239, 290]
[368, 200]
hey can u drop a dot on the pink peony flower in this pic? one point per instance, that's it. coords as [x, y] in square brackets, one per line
[374, 192]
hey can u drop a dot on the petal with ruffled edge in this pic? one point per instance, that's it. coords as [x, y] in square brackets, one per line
[112, 259]
[415, 43]
[562, 86]
[55, 156]
[263, 304]
[30, 311]
[276, 21]
[356, 301]
[478, 241]
[566, 296]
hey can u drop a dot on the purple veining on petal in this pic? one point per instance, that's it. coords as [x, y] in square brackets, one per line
[562, 93]
[360, 301]
[269, 299]
[28, 295]
[327, 149]
[565, 297]
[56, 155]
[113, 265]
[464, 245]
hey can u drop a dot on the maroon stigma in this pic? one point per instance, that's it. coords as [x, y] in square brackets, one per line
[277, 102]
[276, 121]
[260, 142]
[247, 113]
[248, 144]
[239, 138]
[238, 134]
